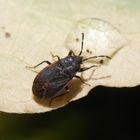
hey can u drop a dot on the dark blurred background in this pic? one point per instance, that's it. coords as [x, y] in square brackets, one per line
[106, 113]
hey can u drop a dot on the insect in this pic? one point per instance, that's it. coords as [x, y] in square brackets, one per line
[56, 76]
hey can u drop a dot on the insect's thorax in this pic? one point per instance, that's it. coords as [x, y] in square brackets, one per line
[71, 64]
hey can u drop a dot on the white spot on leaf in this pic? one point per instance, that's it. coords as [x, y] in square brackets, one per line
[101, 38]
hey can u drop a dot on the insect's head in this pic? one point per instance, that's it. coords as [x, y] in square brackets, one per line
[75, 59]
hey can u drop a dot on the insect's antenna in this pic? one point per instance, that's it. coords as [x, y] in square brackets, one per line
[96, 57]
[82, 43]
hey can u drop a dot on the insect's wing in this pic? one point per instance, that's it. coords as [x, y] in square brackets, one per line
[59, 81]
[56, 84]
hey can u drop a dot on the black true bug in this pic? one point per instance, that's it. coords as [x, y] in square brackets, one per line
[56, 76]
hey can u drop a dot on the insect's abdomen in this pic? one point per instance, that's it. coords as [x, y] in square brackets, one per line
[48, 83]
[44, 90]
[41, 88]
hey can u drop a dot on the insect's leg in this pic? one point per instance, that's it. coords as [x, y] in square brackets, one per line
[86, 68]
[39, 64]
[81, 79]
[67, 91]
[55, 56]
[78, 77]
[71, 53]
